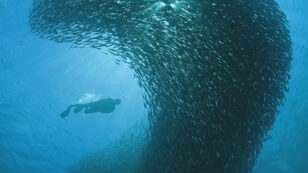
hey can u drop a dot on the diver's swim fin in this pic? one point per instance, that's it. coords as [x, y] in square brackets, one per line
[66, 112]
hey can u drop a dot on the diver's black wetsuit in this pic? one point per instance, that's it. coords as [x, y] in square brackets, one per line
[102, 106]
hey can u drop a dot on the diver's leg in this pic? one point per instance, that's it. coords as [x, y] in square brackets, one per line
[78, 108]
[88, 110]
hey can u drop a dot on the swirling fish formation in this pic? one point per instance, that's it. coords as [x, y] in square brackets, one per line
[214, 72]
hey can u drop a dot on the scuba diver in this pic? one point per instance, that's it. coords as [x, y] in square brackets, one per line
[102, 106]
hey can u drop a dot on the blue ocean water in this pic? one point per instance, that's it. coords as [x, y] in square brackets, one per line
[40, 78]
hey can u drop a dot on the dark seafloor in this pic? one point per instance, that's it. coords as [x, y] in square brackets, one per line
[214, 76]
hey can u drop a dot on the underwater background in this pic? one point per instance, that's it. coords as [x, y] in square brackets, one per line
[39, 78]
